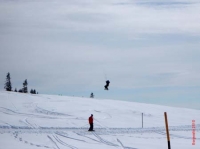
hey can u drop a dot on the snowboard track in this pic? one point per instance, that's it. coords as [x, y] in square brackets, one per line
[11, 112]
[58, 136]
[98, 131]
[48, 112]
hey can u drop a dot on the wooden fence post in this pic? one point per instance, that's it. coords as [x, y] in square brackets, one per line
[142, 120]
[167, 131]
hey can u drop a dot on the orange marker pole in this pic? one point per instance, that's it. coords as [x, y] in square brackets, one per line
[167, 131]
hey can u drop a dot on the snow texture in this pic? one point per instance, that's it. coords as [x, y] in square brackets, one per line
[59, 122]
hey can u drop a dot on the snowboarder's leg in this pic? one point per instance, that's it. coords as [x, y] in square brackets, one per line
[91, 127]
[106, 87]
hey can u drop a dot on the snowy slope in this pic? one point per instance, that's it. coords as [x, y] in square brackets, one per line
[60, 122]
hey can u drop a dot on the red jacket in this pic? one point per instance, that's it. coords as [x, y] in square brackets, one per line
[90, 119]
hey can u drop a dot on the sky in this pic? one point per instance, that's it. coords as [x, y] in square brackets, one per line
[149, 50]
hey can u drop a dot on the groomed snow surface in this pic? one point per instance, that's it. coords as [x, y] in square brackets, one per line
[60, 122]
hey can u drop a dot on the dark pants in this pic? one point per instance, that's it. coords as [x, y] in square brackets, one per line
[91, 127]
[106, 87]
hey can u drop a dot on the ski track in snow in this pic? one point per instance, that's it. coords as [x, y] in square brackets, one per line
[54, 134]
[124, 147]
[63, 143]
[33, 125]
[85, 134]
[53, 142]
[103, 140]
[69, 137]
[176, 136]
[100, 131]
[27, 123]
[82, 135]
[47, 112]
[11, 112]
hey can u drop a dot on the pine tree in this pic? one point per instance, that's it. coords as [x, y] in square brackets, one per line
[34, 91]
[25, 88]
[15, 89]
[8, 85]
[31, 91]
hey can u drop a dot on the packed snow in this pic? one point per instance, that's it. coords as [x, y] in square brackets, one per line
[30, 121]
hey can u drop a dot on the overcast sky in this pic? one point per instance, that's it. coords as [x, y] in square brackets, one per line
[149, 50]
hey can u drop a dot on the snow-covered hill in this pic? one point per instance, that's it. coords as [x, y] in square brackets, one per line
[60, 122]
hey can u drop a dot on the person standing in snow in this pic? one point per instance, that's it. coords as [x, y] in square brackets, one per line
[91, 123]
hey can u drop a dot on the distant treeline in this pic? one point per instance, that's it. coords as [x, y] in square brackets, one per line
[24, 89]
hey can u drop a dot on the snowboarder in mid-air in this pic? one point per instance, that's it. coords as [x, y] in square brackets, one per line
[107, 84]
[91, 123]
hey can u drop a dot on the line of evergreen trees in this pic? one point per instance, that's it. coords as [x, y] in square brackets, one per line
[8, 86]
